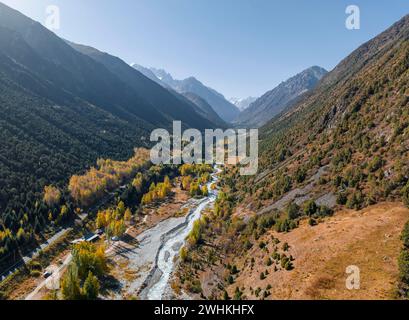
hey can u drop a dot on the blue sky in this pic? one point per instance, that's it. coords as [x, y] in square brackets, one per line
[238, 47]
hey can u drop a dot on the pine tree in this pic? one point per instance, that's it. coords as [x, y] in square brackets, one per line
[91, 287]
[70, 284]
[121, 208]
[225, 295]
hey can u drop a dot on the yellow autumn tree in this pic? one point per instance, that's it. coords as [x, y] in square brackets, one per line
[204, 191]
[121, 208]
[108, 175]
[52, 195]
[157, 191]
[63, 213]
[128, 215]
[186, 182]
[101, 220]
[137, 182]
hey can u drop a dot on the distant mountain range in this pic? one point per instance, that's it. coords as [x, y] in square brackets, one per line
[273, 102]
[225, 109]
[244, 103]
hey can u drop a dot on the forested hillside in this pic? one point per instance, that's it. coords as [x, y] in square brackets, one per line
[342, 148]
[170, 104]
[61, 110]
[354, 126]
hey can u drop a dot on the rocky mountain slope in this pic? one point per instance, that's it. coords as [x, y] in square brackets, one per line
[226, 110]
[205, 109]
[242, 104]
[273, 102]
[337, 159]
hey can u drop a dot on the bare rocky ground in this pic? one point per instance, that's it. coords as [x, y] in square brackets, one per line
[300, 195]
[133, 264]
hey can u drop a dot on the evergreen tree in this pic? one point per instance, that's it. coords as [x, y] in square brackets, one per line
[70, 284]
[91, 287]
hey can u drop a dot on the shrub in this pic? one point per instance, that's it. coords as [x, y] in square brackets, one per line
[300, 174]
[225, 295]
[286, 263]
[312, 222]
[257, 291]
[248, 245]
[286, 225]
[404, 266]
[405, 235]
[355, 200]
[230, 279]
[293, 210]
[194, 286]
[35, 265]
[266, 221]
[234, 270]
[183, 254]
[237, 294]
[405, 194]
[375, 164]
[310, 207]
[342, 198]
[35, 273]
[276, 256]
[324, 211]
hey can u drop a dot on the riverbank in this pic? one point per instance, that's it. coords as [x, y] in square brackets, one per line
[156, 273]
[169, 251]
[133, 259]
[143, 269]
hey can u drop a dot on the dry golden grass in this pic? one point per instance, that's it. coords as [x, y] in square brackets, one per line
[369, 239]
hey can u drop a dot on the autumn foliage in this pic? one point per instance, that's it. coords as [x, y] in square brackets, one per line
[195, 177]
[113, 220]
[87, 266]
[157, 192]
[52, 195]
[108, 175]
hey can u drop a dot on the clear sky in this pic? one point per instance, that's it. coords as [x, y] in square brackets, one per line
[238, 47]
